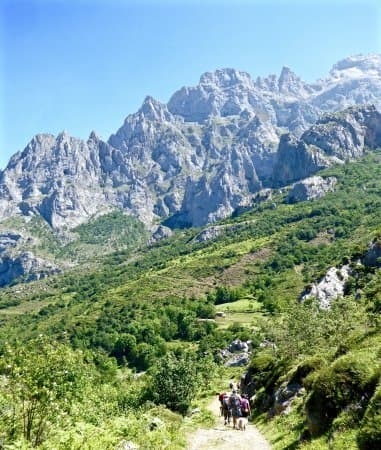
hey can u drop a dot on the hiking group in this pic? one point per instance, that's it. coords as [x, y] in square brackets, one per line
[236, 406]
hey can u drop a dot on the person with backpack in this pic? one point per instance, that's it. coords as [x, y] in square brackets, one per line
[235, 407]
[226, 409]
[221, 399]
[245, 406]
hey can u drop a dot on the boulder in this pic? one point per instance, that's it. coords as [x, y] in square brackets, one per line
[311, 188]
[284, 396]
[238, 360]
[161, 232]
[156, 423]
[237, 346]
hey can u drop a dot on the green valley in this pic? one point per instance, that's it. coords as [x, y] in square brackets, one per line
[73, 345]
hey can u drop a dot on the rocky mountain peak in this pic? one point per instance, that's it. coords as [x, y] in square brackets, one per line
[290, 84]
[154, 110]
[357, 66]
[225, 78]
[212, 146]
[334, 138]
[94, 137]
[287, 76]
[63, 136]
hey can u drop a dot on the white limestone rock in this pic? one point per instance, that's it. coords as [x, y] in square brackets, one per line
[311, 188]
[330, 287]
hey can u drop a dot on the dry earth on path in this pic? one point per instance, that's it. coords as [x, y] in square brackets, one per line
[223, 437]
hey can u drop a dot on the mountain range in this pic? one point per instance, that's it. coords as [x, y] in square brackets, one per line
[201, 156]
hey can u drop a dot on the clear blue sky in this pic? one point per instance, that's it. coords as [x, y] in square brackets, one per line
[86, 64]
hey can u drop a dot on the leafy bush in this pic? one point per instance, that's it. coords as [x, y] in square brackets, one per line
[306, 367]
[345, 382]
[42, 379]
[176, 379]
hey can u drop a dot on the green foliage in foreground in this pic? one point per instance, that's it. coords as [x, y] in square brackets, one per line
[143, 311]
[333, 357]
[52, 396]
[40, 382]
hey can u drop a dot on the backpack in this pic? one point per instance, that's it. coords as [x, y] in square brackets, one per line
[226, 402]
[235, 401]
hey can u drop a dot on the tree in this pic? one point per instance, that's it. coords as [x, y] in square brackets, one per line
[175, 380]
[42, 379]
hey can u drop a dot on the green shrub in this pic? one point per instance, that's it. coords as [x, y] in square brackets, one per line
[265, 369]
[41, 381]
[305, 368]
[343, 383]
[175, 381]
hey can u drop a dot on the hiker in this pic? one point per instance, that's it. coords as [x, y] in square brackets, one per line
[226, 412]
[232, 385]
[245, 406]
[235, 407]
[221, 399]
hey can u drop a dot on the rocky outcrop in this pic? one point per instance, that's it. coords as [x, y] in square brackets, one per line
[284, 396]
[210, 233]
[372, 257]
[335, 138]
[8, 240]
[330, 287]
[160, 233]
[237, 354]
[25, 267]
[310, 188]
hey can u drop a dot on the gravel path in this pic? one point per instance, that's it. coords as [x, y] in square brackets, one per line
[223, 437]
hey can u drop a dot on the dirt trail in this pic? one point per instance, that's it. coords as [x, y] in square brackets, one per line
[223, 437]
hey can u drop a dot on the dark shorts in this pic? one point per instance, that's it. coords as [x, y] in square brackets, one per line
[236, 412]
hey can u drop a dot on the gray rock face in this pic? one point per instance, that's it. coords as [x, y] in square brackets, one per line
[23, 266]
[284, 396]
[335, 138]
[8, 240]
[237, 354]
[56, 177]
[353, 80]
[311, 188]
[210, 233]
[161, 232]
[372, 257]
[330, 287]
[201, 156]
[238, 360]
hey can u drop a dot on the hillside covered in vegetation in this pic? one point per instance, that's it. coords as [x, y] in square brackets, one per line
[71, 345]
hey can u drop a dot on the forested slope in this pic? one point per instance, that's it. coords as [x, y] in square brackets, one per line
[148, 309]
